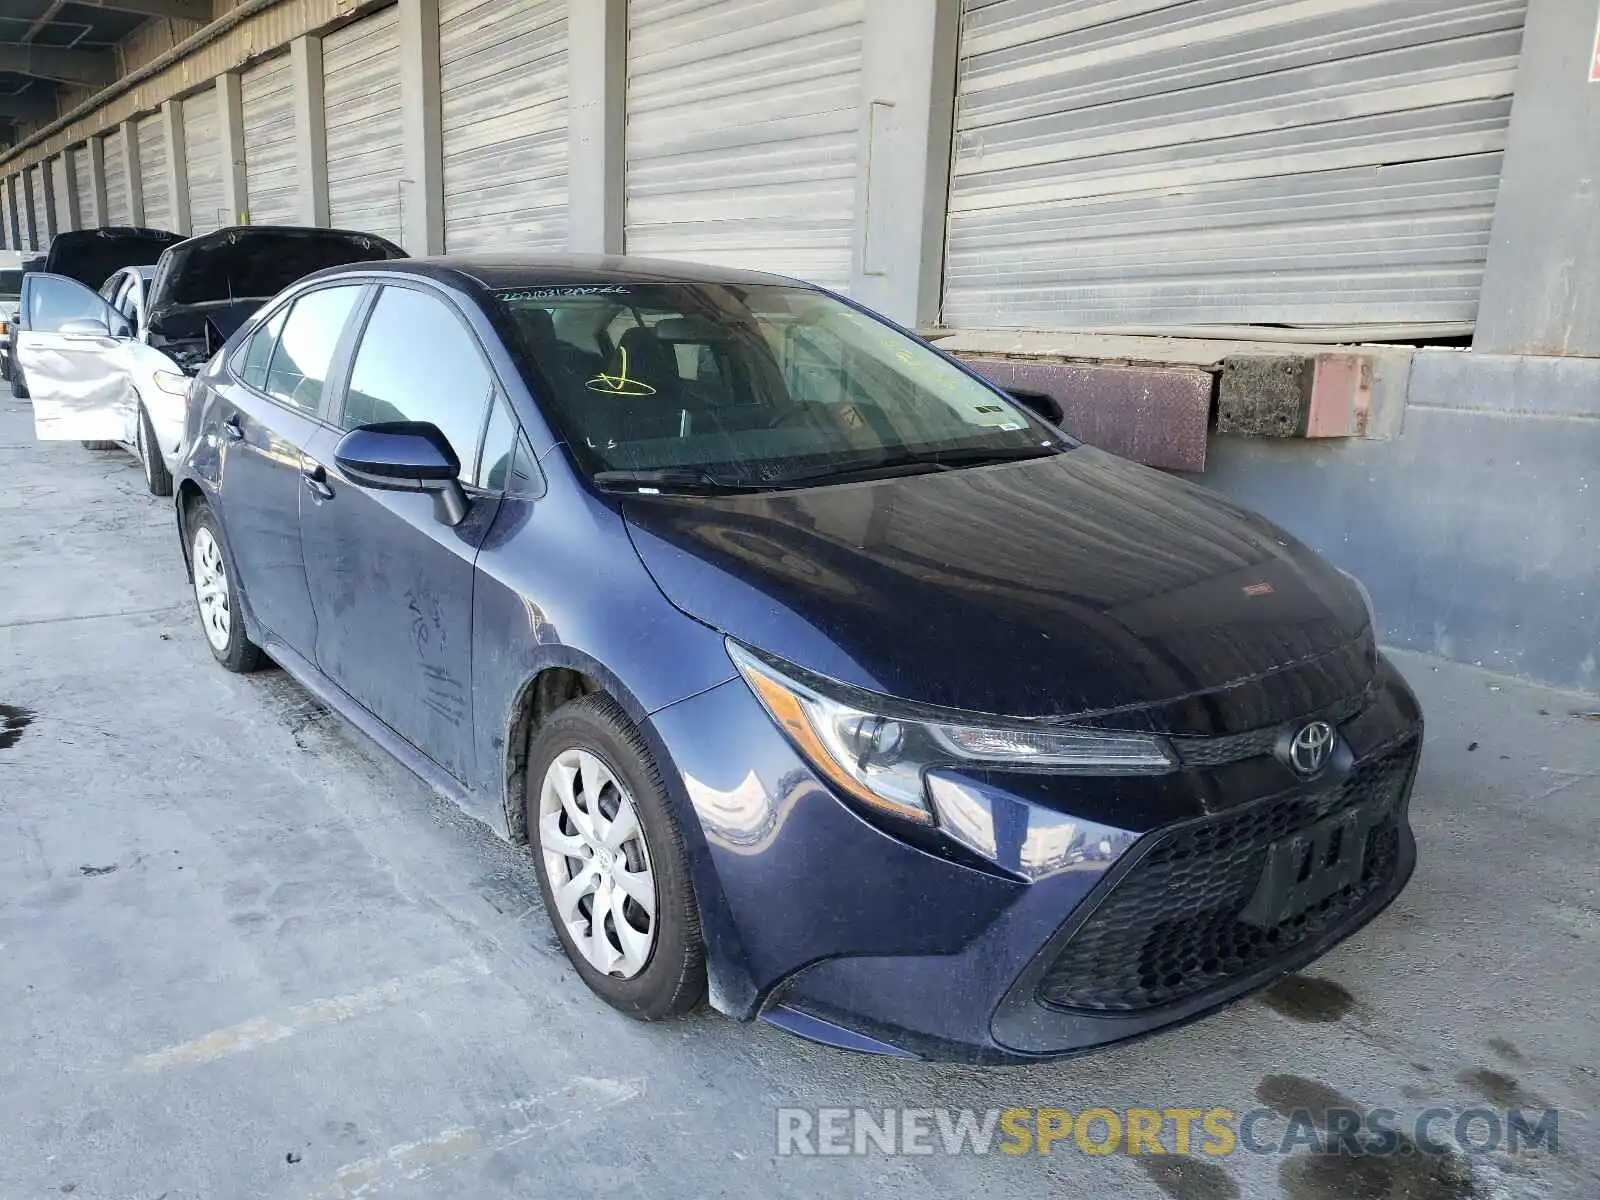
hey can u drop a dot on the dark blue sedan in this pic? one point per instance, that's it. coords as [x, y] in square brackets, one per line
[819, 677]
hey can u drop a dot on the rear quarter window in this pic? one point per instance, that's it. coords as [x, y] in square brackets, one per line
[252, 362]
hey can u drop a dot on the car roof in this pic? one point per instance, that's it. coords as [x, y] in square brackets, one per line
[498, 271]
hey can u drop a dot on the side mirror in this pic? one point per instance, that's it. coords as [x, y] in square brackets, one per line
[84, 327]
[1040, 404]
[405, 456]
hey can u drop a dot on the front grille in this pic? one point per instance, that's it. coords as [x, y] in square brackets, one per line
[1171, 928]
[1228, 748]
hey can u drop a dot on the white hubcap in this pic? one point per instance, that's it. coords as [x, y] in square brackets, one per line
[598, 864]
[211, 589]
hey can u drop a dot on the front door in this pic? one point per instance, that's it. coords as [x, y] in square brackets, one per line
[71, 348]
[267, 420]
[390, 583]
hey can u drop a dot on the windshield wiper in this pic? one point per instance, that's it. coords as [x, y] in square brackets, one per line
[670, 480]
[913, 462]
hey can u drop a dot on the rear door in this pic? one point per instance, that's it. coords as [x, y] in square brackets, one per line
[390, 583]
[72, 353]
[266, 413]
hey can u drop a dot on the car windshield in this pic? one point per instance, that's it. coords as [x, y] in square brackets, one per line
[753, 385]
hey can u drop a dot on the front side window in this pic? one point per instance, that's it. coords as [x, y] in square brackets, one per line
[754, 385]
[417, 362]
[298, 371]
[54, 300]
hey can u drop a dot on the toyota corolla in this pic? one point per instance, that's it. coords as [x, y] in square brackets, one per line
[818, 676]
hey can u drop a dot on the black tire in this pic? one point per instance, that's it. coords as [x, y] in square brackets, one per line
[19, 390]
[156, 476]
[239, 654]
[102, 445]
[673, 980]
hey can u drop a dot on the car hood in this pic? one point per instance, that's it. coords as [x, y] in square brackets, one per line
[91, 256]
[249, 264]
[1075, 586]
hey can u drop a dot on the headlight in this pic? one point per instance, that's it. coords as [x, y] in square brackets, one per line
[876, 749]
[171, 382]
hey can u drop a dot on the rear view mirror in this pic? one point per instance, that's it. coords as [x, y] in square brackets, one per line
[405, 456]
[1041, 405]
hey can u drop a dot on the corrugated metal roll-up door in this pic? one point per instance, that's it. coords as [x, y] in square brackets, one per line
[60, 180]
[154, 185]
[503, 74]
[115, 159]
[43, 229]
[361, 95]
[742, 130]
[202, 162]
[1310, 162]
[271, 174]
[88, 218]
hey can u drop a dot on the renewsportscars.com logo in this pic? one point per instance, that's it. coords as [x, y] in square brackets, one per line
[1215, 1132]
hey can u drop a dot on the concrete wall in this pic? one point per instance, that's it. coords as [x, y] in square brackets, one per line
[1541, 286]
[1477, 528]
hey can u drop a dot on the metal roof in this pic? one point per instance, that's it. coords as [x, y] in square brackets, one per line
[47, 43]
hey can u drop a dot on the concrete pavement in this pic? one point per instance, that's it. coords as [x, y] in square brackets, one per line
[242, 953]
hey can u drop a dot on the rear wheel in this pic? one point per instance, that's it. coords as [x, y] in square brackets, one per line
[156, 476]
[611, 862]
[217, 595]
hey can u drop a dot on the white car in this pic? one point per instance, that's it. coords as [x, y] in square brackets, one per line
[115, 369]
[10, 296]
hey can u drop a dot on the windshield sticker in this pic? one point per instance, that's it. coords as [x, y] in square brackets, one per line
[562, 293]
[619, 384]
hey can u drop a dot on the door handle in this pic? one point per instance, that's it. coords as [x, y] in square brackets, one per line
[232, 429]
[316, 480]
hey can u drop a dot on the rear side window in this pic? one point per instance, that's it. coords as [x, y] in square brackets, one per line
[299, 368]
[253, 365]
[417, 362]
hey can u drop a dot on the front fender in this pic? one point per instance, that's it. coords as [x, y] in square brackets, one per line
[167, 411]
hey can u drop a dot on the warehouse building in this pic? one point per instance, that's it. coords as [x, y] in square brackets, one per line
[1336, 257]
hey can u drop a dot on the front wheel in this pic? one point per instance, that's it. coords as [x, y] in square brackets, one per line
[611, 862]
[217, 595]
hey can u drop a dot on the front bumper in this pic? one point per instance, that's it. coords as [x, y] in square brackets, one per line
[1051, 913]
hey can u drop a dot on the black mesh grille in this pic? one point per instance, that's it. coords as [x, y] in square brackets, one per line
[1171, 928]
[1217, 751]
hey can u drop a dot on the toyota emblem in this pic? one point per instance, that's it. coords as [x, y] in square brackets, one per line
[1311, 747]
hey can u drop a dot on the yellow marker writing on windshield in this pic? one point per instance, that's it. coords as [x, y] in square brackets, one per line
[619, 384]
